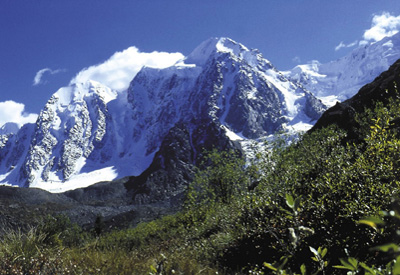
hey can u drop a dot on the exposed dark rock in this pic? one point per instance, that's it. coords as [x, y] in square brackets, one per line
[173, 167]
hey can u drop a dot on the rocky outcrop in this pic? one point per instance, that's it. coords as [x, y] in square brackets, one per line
[174, 165]
[67, 131]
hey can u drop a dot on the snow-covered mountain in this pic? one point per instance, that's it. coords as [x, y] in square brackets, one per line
[222, 92]
[225, 81]
[341, 79]
[6, 131]
[88, 133]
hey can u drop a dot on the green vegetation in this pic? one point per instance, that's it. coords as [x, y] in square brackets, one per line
[323, 205]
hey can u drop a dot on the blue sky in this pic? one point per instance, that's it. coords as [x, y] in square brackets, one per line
[55, 40]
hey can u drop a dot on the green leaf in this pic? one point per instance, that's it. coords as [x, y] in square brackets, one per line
[372, 221]
[324, 251]
[153, 269]
[386, 247]
[270, 266]
[290, 201]
[303, 269]
[349, 264]
[396, 266]
[368, 270]
[342, 267]
[314, 251]
[353, 262]
[282, 265]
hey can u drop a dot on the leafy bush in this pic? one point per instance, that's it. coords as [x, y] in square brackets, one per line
[59, 231]
[224, 177]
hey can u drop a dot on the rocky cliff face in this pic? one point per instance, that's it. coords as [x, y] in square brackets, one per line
[70, 130]
[173, 167]
[226, 82]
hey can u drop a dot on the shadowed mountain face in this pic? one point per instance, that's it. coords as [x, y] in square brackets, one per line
[173, 168]
[380, 90]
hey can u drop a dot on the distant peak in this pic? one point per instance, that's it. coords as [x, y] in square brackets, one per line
[9, 128]
[214, 45]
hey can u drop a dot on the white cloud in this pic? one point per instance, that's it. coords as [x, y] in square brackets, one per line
[382, 25]
[39, 75]
[343, 45]
[118, 71]
[11, 111]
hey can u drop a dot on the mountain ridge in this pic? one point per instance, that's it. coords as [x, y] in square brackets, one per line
[343, 114]
[88, 133]
[160, 188]
[341, 79]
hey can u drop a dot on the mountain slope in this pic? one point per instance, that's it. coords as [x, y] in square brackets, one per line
[341, 79]
[88, 133]
[381, 89]
[225, 81]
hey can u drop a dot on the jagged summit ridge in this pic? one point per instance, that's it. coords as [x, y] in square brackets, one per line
[71, 126]
[209, 48]
[232, 85]
[78, 91]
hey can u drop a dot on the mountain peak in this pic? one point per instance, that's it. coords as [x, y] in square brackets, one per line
[9, 128]
[78, 91]
[228, 45]
[215, 45]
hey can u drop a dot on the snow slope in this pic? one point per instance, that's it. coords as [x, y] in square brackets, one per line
[341, 79]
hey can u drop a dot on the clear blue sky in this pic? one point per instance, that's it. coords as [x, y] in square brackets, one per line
[69, 35]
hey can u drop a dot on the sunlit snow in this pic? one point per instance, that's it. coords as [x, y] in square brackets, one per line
[81, 180]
